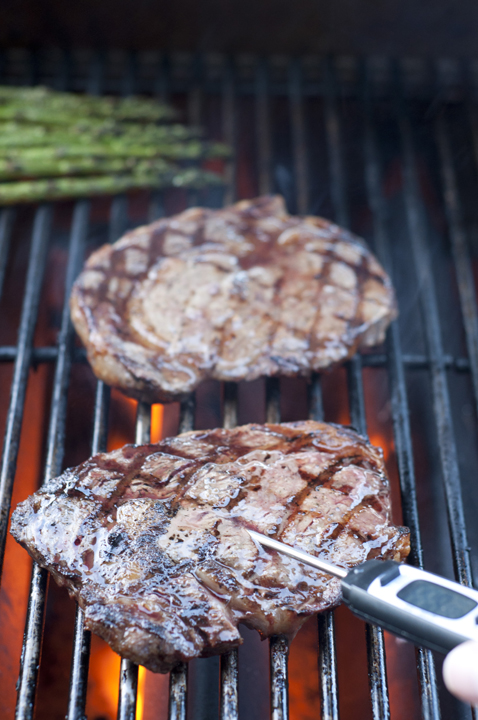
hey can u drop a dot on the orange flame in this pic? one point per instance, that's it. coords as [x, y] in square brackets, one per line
[122, 420]
[157, 414]
[17, 566]
[102, 696]
[379, 439]
[123, 417]
[140, 700]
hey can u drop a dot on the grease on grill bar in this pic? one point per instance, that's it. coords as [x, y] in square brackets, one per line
[336, 137]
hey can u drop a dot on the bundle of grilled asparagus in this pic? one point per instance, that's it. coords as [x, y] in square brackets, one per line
[55, 144]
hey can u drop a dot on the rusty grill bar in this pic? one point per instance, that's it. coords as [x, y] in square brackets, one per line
[284, 160]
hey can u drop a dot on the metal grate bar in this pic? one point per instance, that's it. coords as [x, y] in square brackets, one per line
[119, 217]
[79, 668]
[263, 128]
[334, 143]
[229, 663]
[229, 130]
[143, 424]
[263, 137]
[55, 448]
[97, 70]
[161, 85]
[187, 414]
[128, 685]
[315, 402]
[299, 143]
[128, 81]
[47, 353]
[329, 700]
[400, 411]
[441, 400]
[195, 94]
[100, 418]
[11, 441]
[156, 206]
[128, 688]
[279, 651]
[230, 405]
[278, 645]
[463, 270]
[30, 657]
[374, 636]
[82, 637]
[229, 697]
[7, 217]
[178, 692]
[273, 400]
[178, 677]
[356, 395]
[414, 361]
[55, 445]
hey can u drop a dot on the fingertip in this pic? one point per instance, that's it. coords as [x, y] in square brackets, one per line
[460, 672]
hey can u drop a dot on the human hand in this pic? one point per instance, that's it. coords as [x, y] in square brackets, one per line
[460, 672]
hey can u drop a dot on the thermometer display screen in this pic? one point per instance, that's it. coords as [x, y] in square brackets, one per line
[436, 599]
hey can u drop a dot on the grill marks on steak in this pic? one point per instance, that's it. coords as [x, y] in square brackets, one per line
[152, 540]
[231, 294]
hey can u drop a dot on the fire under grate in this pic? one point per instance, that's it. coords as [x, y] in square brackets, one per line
[389, 149]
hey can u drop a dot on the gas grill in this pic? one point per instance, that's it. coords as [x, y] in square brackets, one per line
[386, 148]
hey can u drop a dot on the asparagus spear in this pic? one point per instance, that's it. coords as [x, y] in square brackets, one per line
[40, 102]
[13, 134]
[191, 150]
[34, 190]
[88, 165]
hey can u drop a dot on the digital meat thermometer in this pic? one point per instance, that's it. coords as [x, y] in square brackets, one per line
[421, 607]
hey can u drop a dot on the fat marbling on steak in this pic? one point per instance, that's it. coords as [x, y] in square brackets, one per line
[152, 540]
[230, 294]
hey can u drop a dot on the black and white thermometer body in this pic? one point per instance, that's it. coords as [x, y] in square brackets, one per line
[426, 609]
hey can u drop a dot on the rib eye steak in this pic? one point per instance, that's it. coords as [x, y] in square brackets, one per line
[230, 294]
[151, 540]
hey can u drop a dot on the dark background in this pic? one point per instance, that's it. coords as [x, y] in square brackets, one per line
[389, 27]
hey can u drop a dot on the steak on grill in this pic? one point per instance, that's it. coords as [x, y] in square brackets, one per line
[151, 540]
[230, 294]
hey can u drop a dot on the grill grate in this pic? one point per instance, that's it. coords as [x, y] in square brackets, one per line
[326, 133]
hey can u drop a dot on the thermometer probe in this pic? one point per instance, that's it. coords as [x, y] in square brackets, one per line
[425, 609]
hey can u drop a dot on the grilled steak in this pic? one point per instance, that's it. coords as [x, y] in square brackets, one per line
[230, 294]
[151, 539]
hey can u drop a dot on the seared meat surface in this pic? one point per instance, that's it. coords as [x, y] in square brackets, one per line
[151, 539]
[231, 294]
